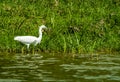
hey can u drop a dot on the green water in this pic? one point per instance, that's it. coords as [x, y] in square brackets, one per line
[59, 68]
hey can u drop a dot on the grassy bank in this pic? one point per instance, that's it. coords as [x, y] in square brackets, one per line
[75, 25]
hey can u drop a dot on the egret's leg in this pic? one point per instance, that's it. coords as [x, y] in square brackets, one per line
[22, 49]
[35, 43]
[33, 51]
[28, 46]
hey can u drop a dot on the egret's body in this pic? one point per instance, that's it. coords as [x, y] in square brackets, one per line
[27, 40]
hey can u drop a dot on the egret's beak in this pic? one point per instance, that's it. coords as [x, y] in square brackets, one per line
[44, 29]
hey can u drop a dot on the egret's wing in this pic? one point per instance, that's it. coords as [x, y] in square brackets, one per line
[26, 39]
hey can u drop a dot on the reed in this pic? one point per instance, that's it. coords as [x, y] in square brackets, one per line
[76, 26]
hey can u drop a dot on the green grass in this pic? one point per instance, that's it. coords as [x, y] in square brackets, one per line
[75, 26]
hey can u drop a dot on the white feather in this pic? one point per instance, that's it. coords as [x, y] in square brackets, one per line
[27, 40]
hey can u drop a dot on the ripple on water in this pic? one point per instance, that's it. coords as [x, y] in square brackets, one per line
[10, 80]
[52, 68]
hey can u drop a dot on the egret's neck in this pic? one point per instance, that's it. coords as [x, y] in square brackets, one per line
[40, 35]
[40, 32]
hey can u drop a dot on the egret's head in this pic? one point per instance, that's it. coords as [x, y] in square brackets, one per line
[41, 28]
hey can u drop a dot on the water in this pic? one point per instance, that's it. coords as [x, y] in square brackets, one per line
[59, 68]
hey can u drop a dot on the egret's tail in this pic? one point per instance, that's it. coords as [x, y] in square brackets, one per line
[16, 38]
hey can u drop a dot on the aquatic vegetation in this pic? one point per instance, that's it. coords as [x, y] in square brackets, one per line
[75, 26]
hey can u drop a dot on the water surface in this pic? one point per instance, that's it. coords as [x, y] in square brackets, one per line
[59, 68]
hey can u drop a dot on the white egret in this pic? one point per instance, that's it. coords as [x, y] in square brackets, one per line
[27, 40]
